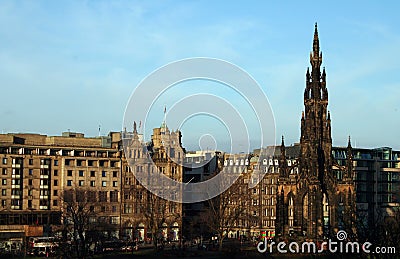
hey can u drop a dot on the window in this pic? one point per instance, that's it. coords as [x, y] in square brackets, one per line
[4, 192]
[29, 203]
[55, 202]
[81, 173]
[104, 174]
[55, 173]
[139, 196]
[3, 203]
[43, 202]
[55, 183]
[114, 208]
[91, 196]
[55, 192]
[92, 183]
[4, 171]
[15, 202]
[30, 182]
[44, 192]
[102, 196]
[69, 182]
[114, 196]
[92, 173]
[30, 192]
[30, 171]
[127, 208]
[81, 183]
[80, 196]
[104, 183]
[4, 161]
[56, 162]
[4, 181]
[115, 174]
[115, 183]
[30, 161]
[68, 196]
[69, 173]
[90, 163]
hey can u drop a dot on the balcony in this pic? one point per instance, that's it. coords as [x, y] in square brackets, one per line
[43, 207]
[15, 176]
[17, 197]
[44, 176]
[15, 207]
[44, 187]
[44, 197]
[15, 186]
[16, 166]
[44, 166]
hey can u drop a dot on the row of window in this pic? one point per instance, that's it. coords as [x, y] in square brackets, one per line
[100, 163]
[81, 173]
[42, 192]
[46, 182]
[92, 183]
[68, 162]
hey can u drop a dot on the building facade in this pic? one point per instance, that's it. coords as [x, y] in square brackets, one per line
[37, 170]
[42, 176]
[149, 215]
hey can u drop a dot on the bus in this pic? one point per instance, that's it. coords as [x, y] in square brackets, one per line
[41, 246]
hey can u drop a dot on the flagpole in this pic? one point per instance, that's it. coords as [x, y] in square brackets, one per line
[165, 113]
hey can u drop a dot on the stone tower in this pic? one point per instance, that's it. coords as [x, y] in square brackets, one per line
[312, 197]
[315, 150]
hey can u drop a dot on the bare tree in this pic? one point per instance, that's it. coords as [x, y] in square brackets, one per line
[228, 211]
[81, 223]
[154, 211]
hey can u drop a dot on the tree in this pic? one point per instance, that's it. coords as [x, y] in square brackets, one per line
[82, 227]
[228, 211]
[157, 213]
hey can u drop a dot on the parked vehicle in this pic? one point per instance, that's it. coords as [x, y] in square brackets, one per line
[41, 246]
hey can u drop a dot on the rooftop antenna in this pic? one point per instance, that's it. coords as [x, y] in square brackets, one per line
[99, 129]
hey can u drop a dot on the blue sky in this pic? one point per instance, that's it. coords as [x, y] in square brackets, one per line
[74, 64]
